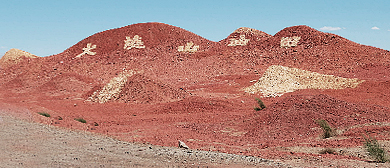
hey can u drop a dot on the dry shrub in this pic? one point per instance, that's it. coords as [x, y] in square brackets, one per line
[328, 131]
[261, 105]
[44, 114]
[375, 150]
[80, 120]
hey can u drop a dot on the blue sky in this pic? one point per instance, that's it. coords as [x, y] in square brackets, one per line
[47, 27]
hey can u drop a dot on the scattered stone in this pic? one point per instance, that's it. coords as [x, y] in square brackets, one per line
[183, 145]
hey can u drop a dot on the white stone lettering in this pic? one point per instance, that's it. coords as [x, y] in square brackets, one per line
[134, 42]
[289, 41]
[188, 48]
[240, 42]
[87, 50]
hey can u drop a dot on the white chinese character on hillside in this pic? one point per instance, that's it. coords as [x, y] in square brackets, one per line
[241, 42]
[289, 41]
[87, 50]
[188, 48]
[134, 42]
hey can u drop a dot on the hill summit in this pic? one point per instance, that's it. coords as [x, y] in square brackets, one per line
[142, 38]
[14, 56]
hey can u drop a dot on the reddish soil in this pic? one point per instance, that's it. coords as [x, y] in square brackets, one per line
[197, 97]
[141, 89]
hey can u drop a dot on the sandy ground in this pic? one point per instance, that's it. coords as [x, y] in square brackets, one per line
[27, 144]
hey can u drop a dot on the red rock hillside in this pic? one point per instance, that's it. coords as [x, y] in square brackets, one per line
[161, 84]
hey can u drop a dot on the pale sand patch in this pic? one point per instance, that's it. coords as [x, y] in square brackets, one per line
[278, 80]
[28, 144]
[112, 89]
[14, 56]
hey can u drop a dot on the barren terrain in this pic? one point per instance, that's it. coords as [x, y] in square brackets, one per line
[153, 83]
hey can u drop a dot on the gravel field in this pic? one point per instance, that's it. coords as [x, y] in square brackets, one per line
[27, 144]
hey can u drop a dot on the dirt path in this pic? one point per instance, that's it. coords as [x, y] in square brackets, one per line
[27, 144]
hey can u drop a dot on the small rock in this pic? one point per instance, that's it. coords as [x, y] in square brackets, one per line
[183, 145]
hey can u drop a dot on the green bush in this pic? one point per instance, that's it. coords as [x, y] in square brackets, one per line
[80, 120]
[44, 114]
[257, 108]
[261, 105]
[375, 150]
[328, 131]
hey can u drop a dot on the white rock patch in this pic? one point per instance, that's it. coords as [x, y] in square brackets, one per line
[288, 42]
[238, 42]
[112, 89]
[278, 80]
[189, 47]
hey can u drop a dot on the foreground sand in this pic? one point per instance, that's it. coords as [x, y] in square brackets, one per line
[27, 144]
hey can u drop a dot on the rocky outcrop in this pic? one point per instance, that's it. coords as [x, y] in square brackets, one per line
[14, 56]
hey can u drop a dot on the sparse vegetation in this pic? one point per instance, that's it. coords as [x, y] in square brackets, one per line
[80, 120]
[328, 151]
[44, 114]
[261, 105]
[375, 150]
[328, 131]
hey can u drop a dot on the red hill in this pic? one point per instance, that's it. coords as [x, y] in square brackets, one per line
[157, 38]
[254, 37]
[14, 56]
[309, 37]
[326, 53]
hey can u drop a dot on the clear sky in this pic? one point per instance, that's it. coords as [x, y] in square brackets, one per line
[47, 27]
